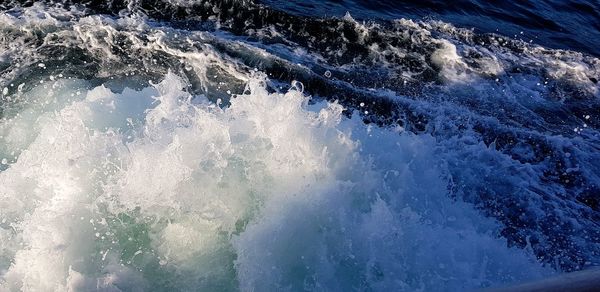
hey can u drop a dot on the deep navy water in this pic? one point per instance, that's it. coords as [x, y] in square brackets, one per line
[226, 145]
[558, 24]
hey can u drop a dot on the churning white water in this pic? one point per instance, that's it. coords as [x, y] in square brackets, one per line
[155, 189]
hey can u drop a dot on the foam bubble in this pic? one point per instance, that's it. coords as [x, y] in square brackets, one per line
[157, 188]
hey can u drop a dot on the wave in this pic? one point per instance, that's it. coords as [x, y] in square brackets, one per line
[155, 188]
[182, 134]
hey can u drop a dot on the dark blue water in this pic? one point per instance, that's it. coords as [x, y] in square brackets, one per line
[563, 24]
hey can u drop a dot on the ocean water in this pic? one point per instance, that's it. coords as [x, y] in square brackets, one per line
[175, 145]
[562, 24]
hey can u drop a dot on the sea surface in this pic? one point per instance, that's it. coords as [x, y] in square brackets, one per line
[238, 145]
[559, 24]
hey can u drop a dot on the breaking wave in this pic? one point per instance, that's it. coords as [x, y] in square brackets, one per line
[224, 145]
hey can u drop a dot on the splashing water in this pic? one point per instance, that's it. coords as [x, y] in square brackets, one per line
[152, 188]
[175, 149]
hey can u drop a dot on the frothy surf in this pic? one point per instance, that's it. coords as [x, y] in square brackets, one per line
[154, 188]
[174, 148]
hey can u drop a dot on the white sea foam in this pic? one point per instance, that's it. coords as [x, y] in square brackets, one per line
[153, 188]
[105, 188]
[453, 69]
